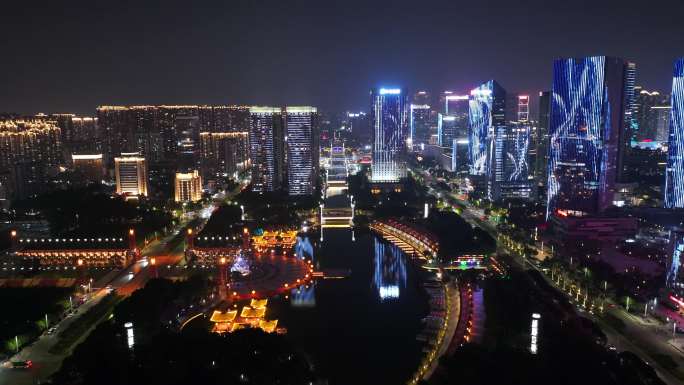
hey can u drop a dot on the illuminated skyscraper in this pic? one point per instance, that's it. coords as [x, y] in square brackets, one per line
[674, 175]
[587, 124]
[509, 168]
[629, 123]
[389, 117]
[267, 148]
[188, 186]
[645, 116]
[486, 111]
[419, 119]
[302, 149]
[131, 174]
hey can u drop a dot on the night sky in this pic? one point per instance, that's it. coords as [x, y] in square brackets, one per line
[70, 56]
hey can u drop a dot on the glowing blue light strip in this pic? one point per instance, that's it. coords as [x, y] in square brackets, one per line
[674, 174]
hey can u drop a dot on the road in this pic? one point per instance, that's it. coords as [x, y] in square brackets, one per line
[124, 281]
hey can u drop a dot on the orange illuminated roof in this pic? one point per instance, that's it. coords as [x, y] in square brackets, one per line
[228, 316]
[248, 312]
[258, 303]
[268, 326]
[237, 326]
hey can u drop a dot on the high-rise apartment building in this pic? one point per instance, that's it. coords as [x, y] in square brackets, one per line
[389, 122]
[88, 167]
[674, 174]
[130, 170]
[30, 153]
[164, 134]
[267, 148]
[585, 134]
[224, 153]
[188, 186]
[303, 151]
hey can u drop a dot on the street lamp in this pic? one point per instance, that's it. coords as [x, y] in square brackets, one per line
[242, 207]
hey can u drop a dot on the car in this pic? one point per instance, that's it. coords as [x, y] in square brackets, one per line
[51, 330]
[21, 364]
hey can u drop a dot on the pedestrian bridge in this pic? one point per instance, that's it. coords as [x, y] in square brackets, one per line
[337, 217]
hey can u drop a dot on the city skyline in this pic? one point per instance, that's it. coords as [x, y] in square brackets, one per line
[333, 193]
[200, 65]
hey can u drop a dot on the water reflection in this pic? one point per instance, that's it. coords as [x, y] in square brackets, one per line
[304, 296]
[304, 248]
[389, 277]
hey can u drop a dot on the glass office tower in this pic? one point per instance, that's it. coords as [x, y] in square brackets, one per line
[389, 118]
[587, 123]
[487, 110]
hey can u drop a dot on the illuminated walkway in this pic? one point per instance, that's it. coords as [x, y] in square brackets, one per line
[410, 240]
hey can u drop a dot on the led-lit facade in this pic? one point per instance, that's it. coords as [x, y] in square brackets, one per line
[674, 269]
[302, 149]
[188, 186]
[586, 124]
[509, 170]
[486, 110]
[674, 175]
[389, 121]
[130, 170]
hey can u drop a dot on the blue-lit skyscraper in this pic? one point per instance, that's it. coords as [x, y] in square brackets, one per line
[587, 123]
[674, 175]
[486, 110]
[389, 121]
[509, 170]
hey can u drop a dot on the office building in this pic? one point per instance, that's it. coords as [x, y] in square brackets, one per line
[486, 111]
[302, 149]
[267, 148]
[674, 174]
[586, 130]
[188, 186]
[389, 118]
[645, 116]
[130, 170]
[509, 167]
[88, 167]
[419, 120]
